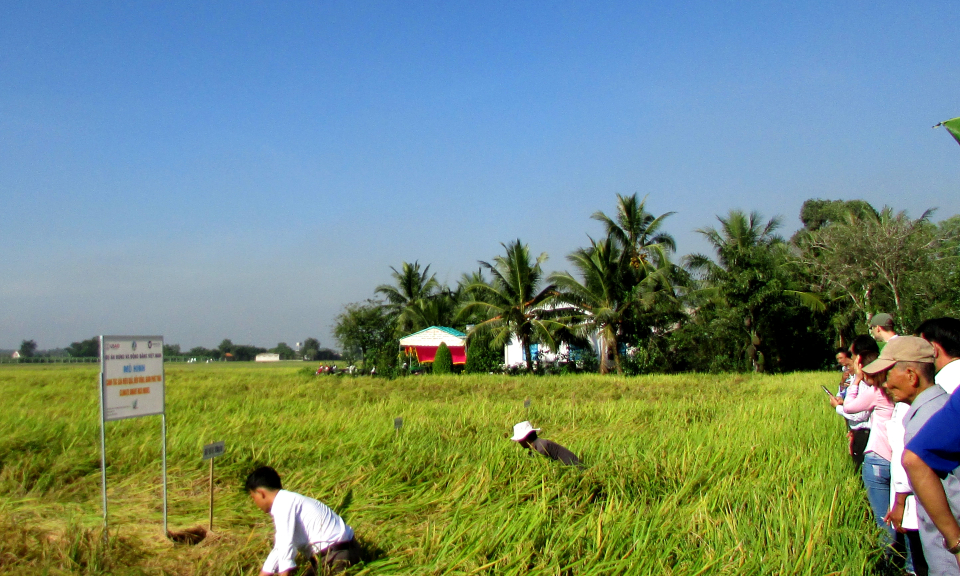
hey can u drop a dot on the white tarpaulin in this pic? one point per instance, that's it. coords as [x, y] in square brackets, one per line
[433, 336]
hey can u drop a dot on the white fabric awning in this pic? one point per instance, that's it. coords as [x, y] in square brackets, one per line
[433, 336]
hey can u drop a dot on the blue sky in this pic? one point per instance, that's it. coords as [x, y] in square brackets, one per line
[243, 170]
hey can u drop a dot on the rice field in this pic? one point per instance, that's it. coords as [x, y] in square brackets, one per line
[686, 475]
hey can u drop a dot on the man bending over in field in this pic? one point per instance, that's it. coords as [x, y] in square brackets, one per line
[526, 436]
[302, 524]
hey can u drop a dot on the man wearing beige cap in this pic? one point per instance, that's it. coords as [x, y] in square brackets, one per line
[526, 435]
[906, 370]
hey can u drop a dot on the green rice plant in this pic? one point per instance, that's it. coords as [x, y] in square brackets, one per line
[685, 475]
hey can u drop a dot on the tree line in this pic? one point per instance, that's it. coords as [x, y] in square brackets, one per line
[757, 302]
[227, 350]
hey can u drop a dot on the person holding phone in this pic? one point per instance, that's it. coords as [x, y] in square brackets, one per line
[858, 423]
[875, 470]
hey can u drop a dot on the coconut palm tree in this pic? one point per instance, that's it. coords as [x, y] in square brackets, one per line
[622, 276]
[610, 294]
[439, 309]
[748, 276]
[601, 300]
[638, 232]
[411, 286]
[514, 302]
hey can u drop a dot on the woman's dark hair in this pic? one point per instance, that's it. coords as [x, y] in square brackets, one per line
[843, 351]
[263, 477]
[864, 345]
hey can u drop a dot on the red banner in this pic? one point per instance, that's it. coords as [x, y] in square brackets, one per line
[428, 353]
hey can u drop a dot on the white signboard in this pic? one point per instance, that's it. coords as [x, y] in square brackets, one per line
[131, 376]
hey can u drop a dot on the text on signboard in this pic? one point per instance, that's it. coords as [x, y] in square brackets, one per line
[132, 356]
[133, 380]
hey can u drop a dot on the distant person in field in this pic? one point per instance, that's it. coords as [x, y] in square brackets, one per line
[526, 435]
[881, 327]
[302, 524]
[944, 335]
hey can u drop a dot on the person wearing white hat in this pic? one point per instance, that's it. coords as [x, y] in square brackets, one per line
[526, 435]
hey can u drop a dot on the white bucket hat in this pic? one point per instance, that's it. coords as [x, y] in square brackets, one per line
[522, 430]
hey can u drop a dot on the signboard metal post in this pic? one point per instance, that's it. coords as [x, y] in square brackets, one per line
[163, 431]
[131, 386]
[210, 452]
[103, 448]
[211, 495]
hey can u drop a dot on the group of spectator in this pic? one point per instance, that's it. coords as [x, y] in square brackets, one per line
[334, 369]
[897, 398]
[327, 369]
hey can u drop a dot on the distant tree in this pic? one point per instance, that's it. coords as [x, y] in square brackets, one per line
[246, 352]
[947, 262]
[284, 350]
[311, 347]
[201, 352]
[514, 302]
[85, 348]
[439, 309]
[481, 358]
[28, 348]
[443, 361]
[411, 286]
[53, 353]
[387, 358]
[327, 354]
[878, 262]
[748, 284]
[226, 347]
[816, 213]
[627, 287]
[613, 292]
[637, 232]
[171, 350]
[362, 328]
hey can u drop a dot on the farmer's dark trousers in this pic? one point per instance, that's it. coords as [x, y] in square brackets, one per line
[336, 558]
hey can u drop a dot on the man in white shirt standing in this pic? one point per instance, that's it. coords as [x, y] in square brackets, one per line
[302, 524]
[944, 335]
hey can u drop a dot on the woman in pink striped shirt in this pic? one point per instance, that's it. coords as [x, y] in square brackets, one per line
[865, 396]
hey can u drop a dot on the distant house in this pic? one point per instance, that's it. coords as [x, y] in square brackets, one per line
[423, 344]
[515, 355]
[15, 355]
[267, 357]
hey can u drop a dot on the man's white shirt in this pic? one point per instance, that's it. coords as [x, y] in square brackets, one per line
[302, 524]
[949, 376]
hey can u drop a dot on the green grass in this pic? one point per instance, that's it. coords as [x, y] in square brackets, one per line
[687, 475]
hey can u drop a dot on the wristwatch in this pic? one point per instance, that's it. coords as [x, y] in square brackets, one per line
[955, 549]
